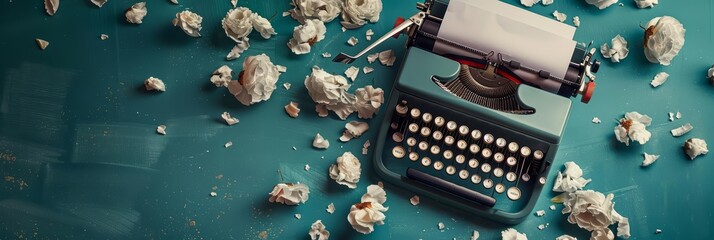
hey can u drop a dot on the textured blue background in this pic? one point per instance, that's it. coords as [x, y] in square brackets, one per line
[81, 101]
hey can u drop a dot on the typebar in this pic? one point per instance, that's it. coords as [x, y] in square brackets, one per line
[450, 187]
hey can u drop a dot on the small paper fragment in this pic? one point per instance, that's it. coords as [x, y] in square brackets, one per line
[387, 58]
[298, 216]
[367, 70]
[229, 120]
[658, 231]
[547, 2]
[576, 21]
[365, 147]
[659, 79]
[352, 72]
[281, 68]
[542, 226]
[103, 36]
[51, 6]
[228, 144]
[307, 167]
[368, 34]
[561, 17]
[330, 208]
[441, 225]
[292, 109]
[540, 213]
[596, 120]
[174, 1]
[352, 41]
[213, 194]
[475, 235]
[161, 129]
[42, 43]
[671, 116]
[678, 115]
[684, 129]
[694, 147]
[287, 85]
[320, 142]
[414, 200]
[153, 83]
[649, 159]
[552, 207]
[326, 55]
[529, 3]
[344, 29]
[618, 51]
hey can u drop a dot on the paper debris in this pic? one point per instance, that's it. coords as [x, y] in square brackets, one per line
[646, 3]
[354, 129]
[678, 115]
[664, 37]
[281, 68]
[658, 231]
[694, 147]
[352, 72]
[262, 25]
[346, 170]
[356, 13]
[619, 50]
[330, 91]
[633, 128]
[373, 57]
[136, 13]
[596, 120]
[174, 1]
[710, 75]
[368, 34]
[320, 142]
[367, 70]
[601, 4]
[576, 21]
[228, 144]
[321, 10]
[368, 101]
[256, 82]
[222, 76]
[51, 6]
[561, 17]
[42, 44]
[153, 83]
[294, 148]
[671, 116]
[475, 235]
[529, 3]
[103, 36]
[441, 226]
[189, 22]
[352, 41]
[318, 231]
[292, 109]
[307, 167]
[594, 211]
[540, 213]
[344, 29]
[649, 159]
[306, 35]
[659, 79]
[289, 194]
[552, 207]
[330, 208]
[365, 147]
[565, 237]
[161, 129]
[298, 216]
[512, 234]
[370, 211]
[414, 200]
[238, 49]
[684, 129]
[387, 58]
[326, 55]
[229, 120]
[99, 3]
[287, 85]
[542, 226]
[571, 179]
[213, 194]
[547, 2]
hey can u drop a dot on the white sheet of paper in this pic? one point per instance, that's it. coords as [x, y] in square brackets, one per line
[487, 25]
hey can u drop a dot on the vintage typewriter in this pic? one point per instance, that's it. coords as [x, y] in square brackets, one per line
[480, 104]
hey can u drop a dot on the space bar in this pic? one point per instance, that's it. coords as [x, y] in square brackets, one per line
[450, 187]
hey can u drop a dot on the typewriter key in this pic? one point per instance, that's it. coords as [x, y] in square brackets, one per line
[437, 135]
[394, 125]
[498, 172]
[541, 180]
[476, 179]
[514, 193]
[397, 137]
[439, 121]
[413, 127]
[511, 161]
[460, 158]
[426, 117]
[526, 177]
[475, 134]
[538, 155]
[498, 157]
[401, 108]
[438, 165]
[413, 156]
[464, 174]
[500, 142]
[398, 152]
[485, 167]
[486, 153]
[425, 131]
[525, 151]
[451, 125]
[500, 188]
[511, 176]
[411, 141]
[463, 130]
[435, 150]
[474, 148]
[473, 163]
[448, 154]
[488, 138]
[487, 183]
[450, 170]
[461, 144]
[425, 161]
[449, 140]
[513, 147]
[423, 146]
[415, 113]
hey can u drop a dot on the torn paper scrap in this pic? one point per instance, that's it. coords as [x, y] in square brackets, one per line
[42, 44]
[414, 200]
[237, 24]
[222, 76]
[330, 91]
[596, 120]
[238, 49]
[601, 4]
[306, 35]
[370, 211]
[136, 13]
[571, 179]
[646, 3]
[320, 142]
[353, 129]
[561, 17]
[540, 213]
[352, 72]
[367, 70]
[318, 231]
[262, 25]
[684, 129]
[565, 237]
[368, 101]
[326, 55]
[440, 226]
[576, 21]
[153, 83]
[352, 41]
[547, 2]
[649, 159]
[529, 3]
[161, 129]
[512, 234]
[292, 109]
[373, 57]
[229, 119]
[710, 75]
[289, 194]
[51, 6]
[659, 79]
[387, 58]
[330, 208]
[287, 85]
[618, 51]
[228, 144]
[99, 3]
[103, 36]
[369, 34]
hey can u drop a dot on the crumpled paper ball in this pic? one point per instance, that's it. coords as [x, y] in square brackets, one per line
[306, 35]
[323, 10]
[257, 80]
[357, 12]
[189, 22]
[664, 38]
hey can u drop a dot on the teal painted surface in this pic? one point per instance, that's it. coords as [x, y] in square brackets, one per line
[80, 103]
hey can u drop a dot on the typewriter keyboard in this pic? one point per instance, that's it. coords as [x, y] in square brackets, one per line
[466, 156]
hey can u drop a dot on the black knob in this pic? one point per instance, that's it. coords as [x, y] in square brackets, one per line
[595, 66]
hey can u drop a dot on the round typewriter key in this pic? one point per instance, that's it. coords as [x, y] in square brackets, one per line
[423, 146]
[463, 130]
[437, 135]
[435, 150]
[398, 152]
[426, 117]
[401, 108]
[511, 176]
[451, 125]
[425, 131]
[485, 167]
[439, 121]
[397, 137]
[473, 163]
[460, 158]
[473, 148]
[513, 147]
[525, 151]
[541, 180]
[488, 138]
[486, 153]
[498, 157]
[450, 170]
[500, 188]
[461, 144]
[476, 179]
[525, 177]
[415, 112]
[538, 155]
[514, 193]
[500, 142]
[425, 161]
[498, 172]
[463, 174]
[475, 134]
[413, 156]
[511, 161]
[449, 140]
[438, 165]
[411, 141]
[413, 127]
[448, 154]
[487, 183]
[394, 125]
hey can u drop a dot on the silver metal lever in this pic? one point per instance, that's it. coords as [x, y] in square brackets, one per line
[417, 19]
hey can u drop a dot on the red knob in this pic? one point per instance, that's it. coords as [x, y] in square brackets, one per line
[588, 93]
[398, 22]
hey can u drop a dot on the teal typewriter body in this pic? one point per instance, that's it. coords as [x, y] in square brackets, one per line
[488, 162]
